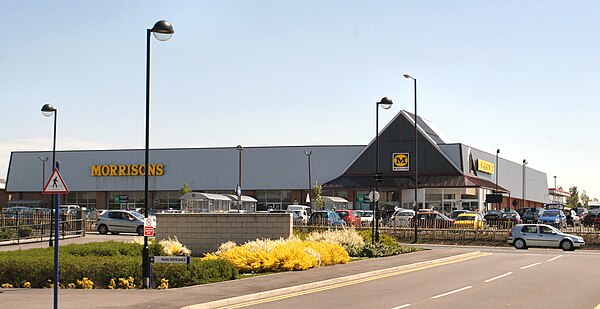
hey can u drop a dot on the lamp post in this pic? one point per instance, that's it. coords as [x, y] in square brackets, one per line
[49, 110]
[555, 197]
[43, 170]
[308, 153]
[497, 153]
[524, 180]
[238, 189]
[162, 30]
[416, 202]
[385, 103]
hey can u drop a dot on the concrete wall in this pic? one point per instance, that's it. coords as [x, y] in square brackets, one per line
[204, 232]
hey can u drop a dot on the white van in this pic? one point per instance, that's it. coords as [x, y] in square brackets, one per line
[303, 212]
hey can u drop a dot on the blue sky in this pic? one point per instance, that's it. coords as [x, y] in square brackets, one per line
[521, 76]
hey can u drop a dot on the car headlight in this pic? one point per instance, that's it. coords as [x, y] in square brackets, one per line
[557, 221]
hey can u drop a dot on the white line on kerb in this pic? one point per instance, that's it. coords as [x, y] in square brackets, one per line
[452, 292]
[554, 258]
[498, 277]
[403, 306]
[534, 264]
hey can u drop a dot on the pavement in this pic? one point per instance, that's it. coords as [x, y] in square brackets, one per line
[220, 294]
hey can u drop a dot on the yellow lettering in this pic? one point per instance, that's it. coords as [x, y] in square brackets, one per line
[142, 168]
[96, 170]
[122, 169]
[151, 169]
[113, 170]
[134, 170]
[128, 170]
[160, 169]
[105, 170]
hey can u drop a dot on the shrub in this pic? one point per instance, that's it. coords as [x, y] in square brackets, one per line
[6, 234]
[348, 238]
[25, 231]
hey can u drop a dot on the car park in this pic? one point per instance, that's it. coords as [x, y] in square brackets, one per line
[523, 236]
[120, 221]
[401, 218]
[326, 217]
[530, 215]
[511, 217]
[351, 217]
[492, 216]
[454, 214]
[469, 220]
[554, 217]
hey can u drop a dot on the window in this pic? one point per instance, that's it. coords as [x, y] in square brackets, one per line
[529, 229]
[546, 230]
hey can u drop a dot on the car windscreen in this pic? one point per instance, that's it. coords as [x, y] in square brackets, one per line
[550, 213]
[465, 218]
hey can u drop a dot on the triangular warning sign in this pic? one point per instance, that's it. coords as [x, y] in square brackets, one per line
[56, 184]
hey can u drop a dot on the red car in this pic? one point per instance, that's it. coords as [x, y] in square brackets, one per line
[351, 217]
[430, 219]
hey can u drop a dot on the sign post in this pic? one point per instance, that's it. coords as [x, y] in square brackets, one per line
[56, 185]
[148, 227]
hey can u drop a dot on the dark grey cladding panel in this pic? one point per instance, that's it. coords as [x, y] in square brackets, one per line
[205, 168]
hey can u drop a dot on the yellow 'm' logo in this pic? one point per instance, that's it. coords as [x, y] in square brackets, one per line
[400, 160]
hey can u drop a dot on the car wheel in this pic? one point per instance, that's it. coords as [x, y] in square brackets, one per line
[519, 243]
[567, 245]
[102, 229]
[140, 230]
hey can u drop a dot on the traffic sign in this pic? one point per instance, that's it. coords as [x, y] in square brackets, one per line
[170, 259]
[148, 231]
[56, 184]
[156, 202]
[374, 196]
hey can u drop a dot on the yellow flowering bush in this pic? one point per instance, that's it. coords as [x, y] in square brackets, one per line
[174, 247]
[348, 238]
[85, 283]
[27, 284]
[6, 286]
[164, 284]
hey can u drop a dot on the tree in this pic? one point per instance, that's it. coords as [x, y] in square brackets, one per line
[317, 191]
[185, 189]
[573, 199]
[585, 199]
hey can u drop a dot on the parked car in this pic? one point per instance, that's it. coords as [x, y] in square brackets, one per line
[120, 221]
[351, 217]
[492, 216]
[454, 214]
[430, 219]
[326, 217]
[581, 212]
[295, 217]
[510, 217]
[531, 215]
[302, 211]
[592, 219]
[401, 218]
[554, 217]
[366, 217]
[523, 236]
[469, 221]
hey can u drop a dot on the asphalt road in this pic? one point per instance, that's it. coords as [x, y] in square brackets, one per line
[505, 278]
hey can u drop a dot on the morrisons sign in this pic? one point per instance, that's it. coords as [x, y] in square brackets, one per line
[127, 170]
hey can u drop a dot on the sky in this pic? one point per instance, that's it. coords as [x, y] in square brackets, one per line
[519, 76]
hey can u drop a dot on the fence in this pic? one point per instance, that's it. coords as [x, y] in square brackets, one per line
[38, 225]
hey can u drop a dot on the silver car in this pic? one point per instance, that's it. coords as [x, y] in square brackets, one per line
[117, 221]
[523, 236]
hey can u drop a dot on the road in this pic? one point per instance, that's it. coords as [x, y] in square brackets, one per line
[503, 278]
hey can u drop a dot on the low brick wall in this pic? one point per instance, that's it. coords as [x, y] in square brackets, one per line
[203, 232]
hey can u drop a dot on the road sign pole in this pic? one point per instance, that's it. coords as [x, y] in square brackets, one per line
[56, 230]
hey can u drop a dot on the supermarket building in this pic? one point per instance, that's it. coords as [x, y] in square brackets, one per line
[450, 176]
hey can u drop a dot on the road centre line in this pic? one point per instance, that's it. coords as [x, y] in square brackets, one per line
[225, 304]
[531, 265]
[451, 292]
[403, 306]
[498, 277]
[554, 258]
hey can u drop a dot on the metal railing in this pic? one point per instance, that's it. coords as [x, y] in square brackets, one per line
[37, 226]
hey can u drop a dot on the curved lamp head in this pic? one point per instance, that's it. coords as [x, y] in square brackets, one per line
[408, 76]
[240, 148]
[162, 30]
[497, 151]
[525, 162]
[308, 153]
[48, 110]
[385, 103]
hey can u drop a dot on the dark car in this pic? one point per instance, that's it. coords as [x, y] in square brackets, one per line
[326, 217]
[430, 219]
[510, 217]
[492, 216]
[591, 219]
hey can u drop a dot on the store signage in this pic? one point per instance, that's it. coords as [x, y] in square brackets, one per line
[485, 166]
[127, 170]
[400, 162]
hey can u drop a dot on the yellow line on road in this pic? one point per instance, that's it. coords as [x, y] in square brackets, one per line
[352, 282]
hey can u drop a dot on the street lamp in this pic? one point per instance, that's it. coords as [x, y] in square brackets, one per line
[43, 170]
[497, 153]
[385, 103]
[524, 179]
[238, 189]
[162, 30]
[49, 110]
[555, 197]
[308, 153]
[416, 202]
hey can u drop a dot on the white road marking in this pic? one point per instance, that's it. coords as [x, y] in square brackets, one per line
[534, 264]
[403, 306]
[452, 292]
[498, 277]
[554, 258]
